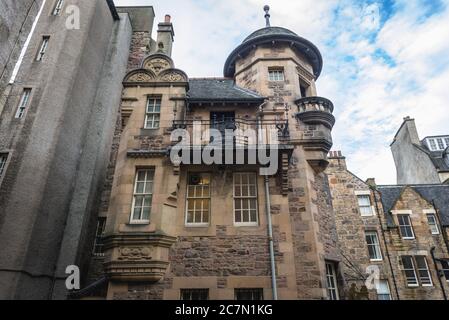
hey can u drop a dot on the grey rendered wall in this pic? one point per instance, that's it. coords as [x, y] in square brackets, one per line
[413, 166]
[45, 200]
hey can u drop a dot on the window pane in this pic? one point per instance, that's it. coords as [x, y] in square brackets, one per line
[409, 270]
[431, 218]
[198, 198]
[423, 271]
[245, 198]
[405, 226]
[445, 267]
[194, 294]
[143, 190]
[249, 294]
[383, 290]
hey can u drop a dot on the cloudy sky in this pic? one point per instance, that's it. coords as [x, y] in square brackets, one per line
[383, 60]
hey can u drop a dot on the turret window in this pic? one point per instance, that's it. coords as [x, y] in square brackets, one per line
[276, 74]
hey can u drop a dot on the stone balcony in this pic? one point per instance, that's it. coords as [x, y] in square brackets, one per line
[315, 110]
[316, 121]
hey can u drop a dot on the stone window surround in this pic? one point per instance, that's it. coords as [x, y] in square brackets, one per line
[198, 224]
[133, 221]
[43, 47]
[405, 212]
[428, 212]
[8, 154]
[153, 114]
[413, 254]
[280, 74]
[24, 89]
[256, 197]
[377, 246]
[365, 193]
[57, 7]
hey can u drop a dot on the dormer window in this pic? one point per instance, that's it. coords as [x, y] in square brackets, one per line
[276, 74]
[437, 143]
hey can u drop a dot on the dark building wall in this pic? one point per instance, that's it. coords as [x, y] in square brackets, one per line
[59, 149]
[16, 19]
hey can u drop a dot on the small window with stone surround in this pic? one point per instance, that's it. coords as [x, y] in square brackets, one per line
[445, 269]
[198, 200]
[43, 48]
[432, 221]
[276, 74]
[153, 113]
[3, 160]
[405, 226]
[364, 201]
[245, 199]
[143, 196]
[23, 104]
[372, 241]
[383, 290]
[248, 294]
[58, 7]
[416, 271]
[194, 294]
[331, 281]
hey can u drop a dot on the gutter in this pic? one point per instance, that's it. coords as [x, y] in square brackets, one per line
[270, 238]
[270, 227]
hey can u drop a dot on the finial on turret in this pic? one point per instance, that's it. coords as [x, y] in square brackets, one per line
[267, 15]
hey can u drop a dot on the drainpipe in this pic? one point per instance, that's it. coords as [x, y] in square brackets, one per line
[385, 240]
[432, 252]
[270, 238]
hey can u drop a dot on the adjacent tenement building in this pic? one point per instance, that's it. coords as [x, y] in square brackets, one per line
[399, 231]
[420, 161]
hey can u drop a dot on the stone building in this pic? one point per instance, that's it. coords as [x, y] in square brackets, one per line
[420, 161]
[91, 173]
[401, 229]
[223, 230]
[56, 130]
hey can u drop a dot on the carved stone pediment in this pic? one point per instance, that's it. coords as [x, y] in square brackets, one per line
[157, 63]
[137, 256]
[139, 76]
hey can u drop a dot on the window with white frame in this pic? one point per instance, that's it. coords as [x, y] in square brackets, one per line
[405, 226]
[432, 220]
[409, 270]
[194, 294]
[198, 199]
[153, 113]
[23, 104]
[245, 199]
[331, 280]
[3, 160]
[364, 201]
[276, 74]
[445, 268]
[143, 196]
[447, 142]
[372, 240]
[383, 290]
[433, 145]
[440, 143]
[58, 7]
[416, 271]
[248, 294]
[423, 271]
[43, 48]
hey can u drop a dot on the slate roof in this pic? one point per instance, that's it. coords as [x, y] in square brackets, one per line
[269, 31]
[439, 158]
[437, 193]
[220, 89]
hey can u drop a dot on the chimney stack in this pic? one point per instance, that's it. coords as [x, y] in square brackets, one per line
[337, 159]
[165, 36]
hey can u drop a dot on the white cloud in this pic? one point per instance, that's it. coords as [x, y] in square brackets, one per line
[375, 71]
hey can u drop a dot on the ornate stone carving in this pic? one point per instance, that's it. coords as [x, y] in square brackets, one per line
[305, 75]
[172, 77]
[134, 253]
[140, 77]
[157, 65]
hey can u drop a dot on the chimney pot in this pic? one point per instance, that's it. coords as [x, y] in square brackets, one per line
[167, 18]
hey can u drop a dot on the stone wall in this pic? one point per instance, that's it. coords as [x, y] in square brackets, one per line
[351, 227]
